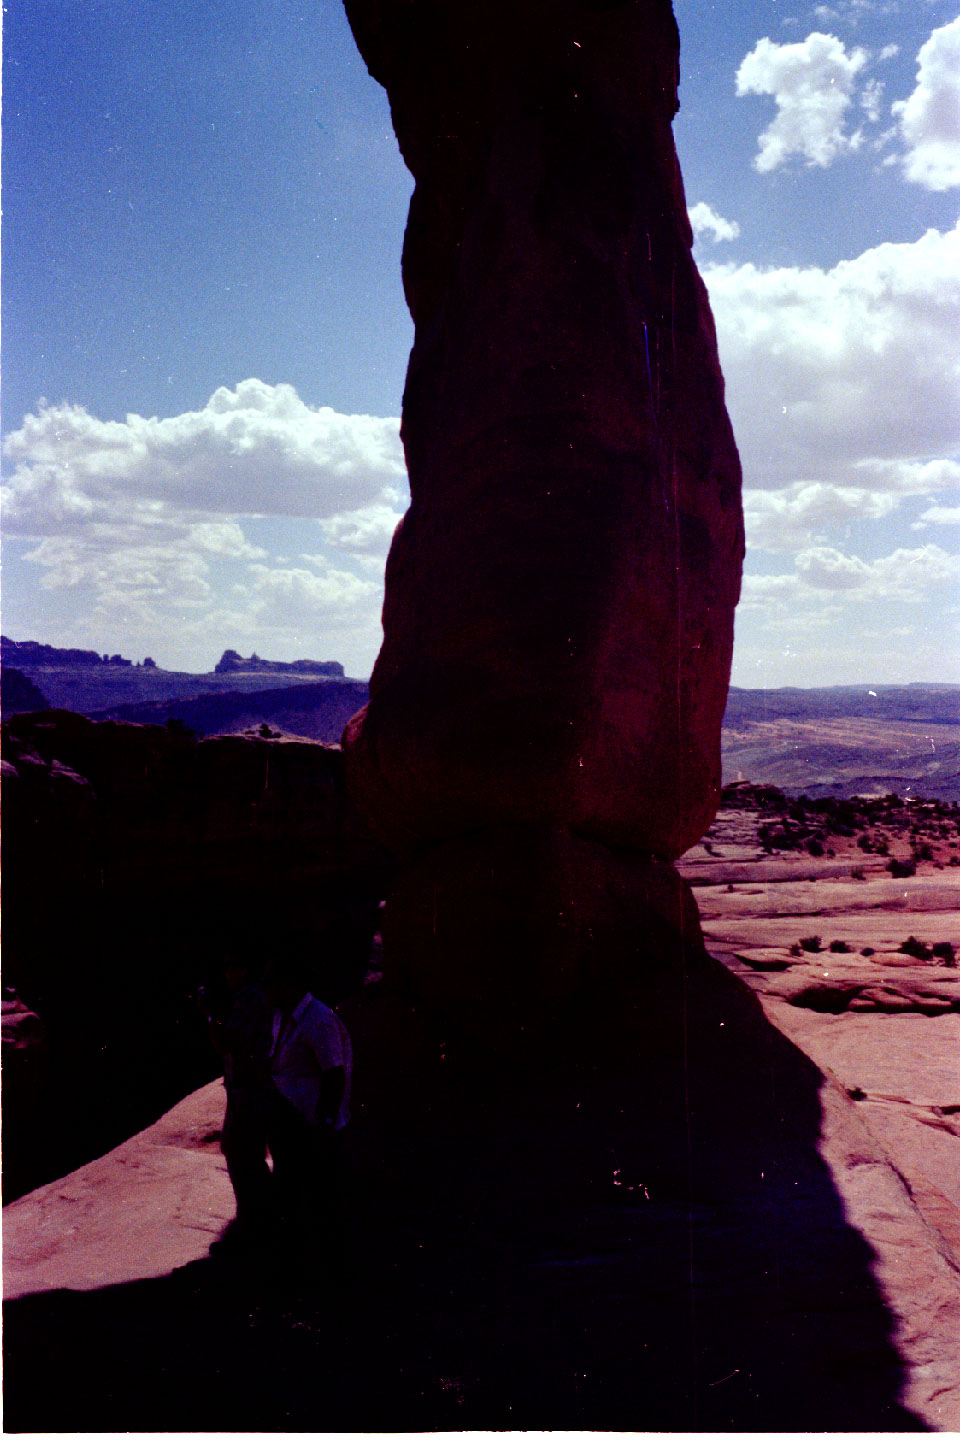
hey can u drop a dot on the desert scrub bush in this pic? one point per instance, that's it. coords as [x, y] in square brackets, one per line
[857, 873]
[901, 869]
[814, 846]
[916, 948]
[774, 838]
[839, 947]
[943, 950]
[868, 950]
[811, 943]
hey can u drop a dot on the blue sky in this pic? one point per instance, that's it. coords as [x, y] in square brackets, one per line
[205, 336]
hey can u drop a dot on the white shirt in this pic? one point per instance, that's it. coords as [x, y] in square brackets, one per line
[306, 1043]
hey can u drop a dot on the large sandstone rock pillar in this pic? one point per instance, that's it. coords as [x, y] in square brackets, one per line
[559, 603]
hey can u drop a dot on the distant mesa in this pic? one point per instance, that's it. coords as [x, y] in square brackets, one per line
[31, 652]
[309, 698]
[230, 663]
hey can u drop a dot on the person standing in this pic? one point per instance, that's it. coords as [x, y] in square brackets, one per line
[241, 1034]
[311, 1064]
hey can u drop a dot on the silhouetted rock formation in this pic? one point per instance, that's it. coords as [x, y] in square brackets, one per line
[18, 694]
[541, 741]
[111, 687]
[31, 652]
[230, 662]
[559, 605]
[543, 731]
[133, 854]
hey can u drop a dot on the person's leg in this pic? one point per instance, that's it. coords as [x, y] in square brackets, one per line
[327, 1219]
[306, 1167]
[290, 1139]
[244, 1146]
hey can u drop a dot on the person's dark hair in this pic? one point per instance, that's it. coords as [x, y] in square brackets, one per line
[238, 948]
[288, 970]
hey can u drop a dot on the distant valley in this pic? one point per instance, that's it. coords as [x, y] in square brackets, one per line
[846, 740]
[839, 740]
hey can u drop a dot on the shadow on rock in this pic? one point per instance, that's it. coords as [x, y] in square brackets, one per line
[633, 1232]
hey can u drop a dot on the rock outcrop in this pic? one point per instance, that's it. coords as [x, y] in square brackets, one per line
[18, 693]
[31, 652]
[543, 731]
[231, 662]
[559, 603]
[133, 856]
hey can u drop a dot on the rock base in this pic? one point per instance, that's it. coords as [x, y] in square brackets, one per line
[517, 933]
[589, 1237]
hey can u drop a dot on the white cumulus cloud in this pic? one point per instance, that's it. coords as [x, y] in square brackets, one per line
[851, 12]
[929, 120]
[254, 450]
[148, 519]
[870, 98]
[848, 376]
[782, 520]
[705, 221]
[367, 531]
[306, 593]
[827, 580]
[942, 515]
[812, 82]
[905, 575]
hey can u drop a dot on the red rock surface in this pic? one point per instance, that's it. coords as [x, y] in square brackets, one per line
[883, 1026]
[536, 1249]
[510, 931]
[150, 1205]
[559, 603]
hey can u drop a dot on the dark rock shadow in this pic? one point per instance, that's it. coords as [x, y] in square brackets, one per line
[638, 1234]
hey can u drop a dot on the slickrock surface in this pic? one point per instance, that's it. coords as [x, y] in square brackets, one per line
[884, 1025]
[154, 1203]
[558, 618]
[584, 1248]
